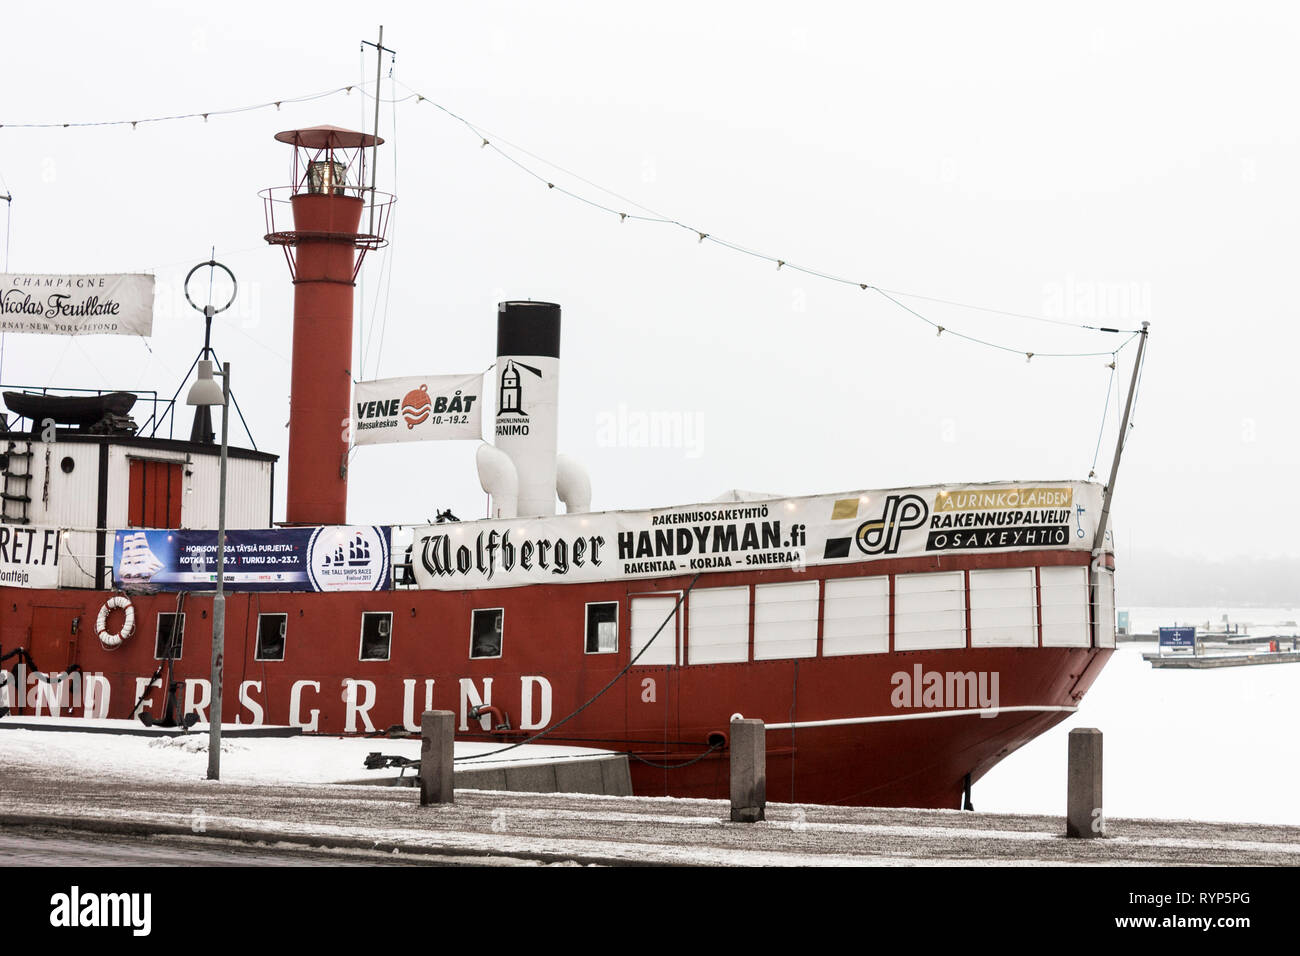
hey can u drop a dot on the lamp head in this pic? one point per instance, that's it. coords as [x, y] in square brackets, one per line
[205, 391]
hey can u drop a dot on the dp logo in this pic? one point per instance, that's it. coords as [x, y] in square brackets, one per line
[902, 513]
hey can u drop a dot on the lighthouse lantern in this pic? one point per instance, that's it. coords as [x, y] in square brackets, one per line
[325, 220]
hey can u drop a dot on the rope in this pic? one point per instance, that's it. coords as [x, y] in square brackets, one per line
[1105, 408]
[673, 766]
[614, 680]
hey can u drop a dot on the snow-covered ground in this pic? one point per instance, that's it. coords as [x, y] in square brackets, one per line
[256, 760]
[1216, 744]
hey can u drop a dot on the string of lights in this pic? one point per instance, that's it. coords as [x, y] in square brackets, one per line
[133, 123]
[488, 140]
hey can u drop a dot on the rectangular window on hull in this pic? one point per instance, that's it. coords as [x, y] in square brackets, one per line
[271, 630]
[929, 611]
[376, 635]
[654, 618]
[1003, 608]
[785, 620]
[486, 629]
[718, 625]
[1065, 606]
[856, 616]
[602, 628]
[171, 637]
[1105, 610]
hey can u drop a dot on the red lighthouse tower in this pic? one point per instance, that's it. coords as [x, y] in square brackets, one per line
[327, 205]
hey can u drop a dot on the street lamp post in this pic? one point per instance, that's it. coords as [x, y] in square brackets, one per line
[205, 392]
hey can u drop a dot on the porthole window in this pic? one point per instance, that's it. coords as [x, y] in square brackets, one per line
[376, 635]
[271, 630]
[171, 637]
[602, 628]
[485, 632]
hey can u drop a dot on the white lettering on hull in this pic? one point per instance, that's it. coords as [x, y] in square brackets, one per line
[409, 720]
[358, 707]
[526, 719]
[252, 706]
[196, 703]
[468, 693]
[295, 706]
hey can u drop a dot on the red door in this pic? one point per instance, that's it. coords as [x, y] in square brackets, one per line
[53, 644]
[156, 489]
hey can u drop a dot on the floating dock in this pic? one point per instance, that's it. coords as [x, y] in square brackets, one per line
[1198, 661]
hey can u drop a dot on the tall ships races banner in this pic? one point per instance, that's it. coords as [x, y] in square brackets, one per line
[76, 304]
[778, 533]
[422, 408]
[331, 558]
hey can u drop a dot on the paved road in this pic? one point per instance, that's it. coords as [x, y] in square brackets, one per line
[493, 827]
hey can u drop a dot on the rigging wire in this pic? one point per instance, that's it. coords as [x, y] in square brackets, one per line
[307, 98]
[649, 215]
[1104, 412]
[655, 217]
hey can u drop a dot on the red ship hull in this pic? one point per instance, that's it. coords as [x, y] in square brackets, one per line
[841, 731]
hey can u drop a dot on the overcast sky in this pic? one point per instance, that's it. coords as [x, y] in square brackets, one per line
[1105, 164]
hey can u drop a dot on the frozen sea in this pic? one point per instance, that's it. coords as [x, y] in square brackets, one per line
[1215, 744]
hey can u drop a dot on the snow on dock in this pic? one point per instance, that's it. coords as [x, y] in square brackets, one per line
[157, 754]
[153, 789]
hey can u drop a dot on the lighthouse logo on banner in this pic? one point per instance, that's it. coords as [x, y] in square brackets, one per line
[429, 408]
[510, 397]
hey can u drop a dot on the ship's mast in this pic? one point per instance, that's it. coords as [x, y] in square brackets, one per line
[1099, 543]
[380, 50]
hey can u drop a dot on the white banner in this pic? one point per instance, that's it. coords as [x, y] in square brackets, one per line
[780, 533]
[29, 556]
[427, 408]
[76, 304]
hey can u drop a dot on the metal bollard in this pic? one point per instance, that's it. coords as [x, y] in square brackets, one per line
[1083, 815]
[748, 770]
[437, 756]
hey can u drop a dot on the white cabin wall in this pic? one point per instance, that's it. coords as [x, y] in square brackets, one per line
[248, 494]
[73, 497]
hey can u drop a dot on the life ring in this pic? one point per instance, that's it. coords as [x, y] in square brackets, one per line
[111, 641]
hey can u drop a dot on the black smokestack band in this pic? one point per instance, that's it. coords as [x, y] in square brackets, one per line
[528, 328]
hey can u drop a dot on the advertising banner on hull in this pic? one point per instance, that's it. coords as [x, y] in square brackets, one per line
[330, 558]
[428, 408]
[29, 556]
[76, 304]
[779, 533]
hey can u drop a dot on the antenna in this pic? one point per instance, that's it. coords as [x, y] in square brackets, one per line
[380, 49]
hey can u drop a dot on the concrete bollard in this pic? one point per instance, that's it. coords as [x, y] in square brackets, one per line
[748, 770]
[437, 756]
[1083, 816]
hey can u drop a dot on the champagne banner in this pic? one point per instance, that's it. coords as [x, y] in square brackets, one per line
[76, 304]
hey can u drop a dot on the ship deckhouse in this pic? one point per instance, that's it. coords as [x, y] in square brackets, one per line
[81, 464]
